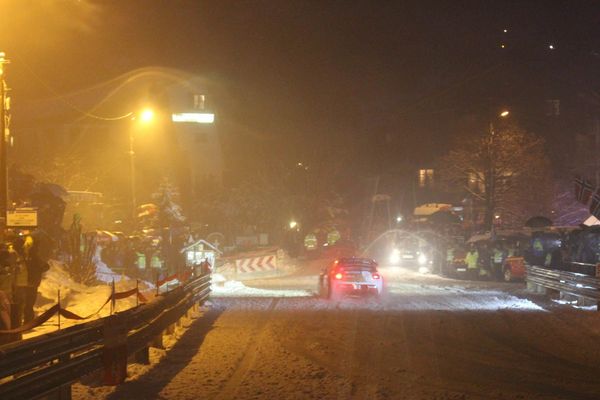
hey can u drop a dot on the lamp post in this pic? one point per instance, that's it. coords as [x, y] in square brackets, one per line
[3, 144]
[490, 198]
[145, 117]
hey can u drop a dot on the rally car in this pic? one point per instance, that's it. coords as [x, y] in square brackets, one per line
[351, 276]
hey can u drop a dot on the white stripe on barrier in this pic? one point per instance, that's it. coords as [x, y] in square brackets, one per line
[256, 264]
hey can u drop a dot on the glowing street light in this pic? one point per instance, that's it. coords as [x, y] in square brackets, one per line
[504, 113]
[146, 116]
[293, 224]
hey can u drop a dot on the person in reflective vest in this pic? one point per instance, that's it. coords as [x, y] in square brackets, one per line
[471, 259]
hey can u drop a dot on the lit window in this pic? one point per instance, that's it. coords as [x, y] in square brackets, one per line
[425, 178]
[199, 101]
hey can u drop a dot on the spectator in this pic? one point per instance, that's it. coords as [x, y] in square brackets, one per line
[471, 259]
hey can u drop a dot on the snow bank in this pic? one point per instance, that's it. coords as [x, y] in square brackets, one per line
[222, 287]
[78, 298]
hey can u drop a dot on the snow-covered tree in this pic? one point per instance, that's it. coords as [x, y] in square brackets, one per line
[505, 171]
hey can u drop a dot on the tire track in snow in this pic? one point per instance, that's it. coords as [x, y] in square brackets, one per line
[249, 357]
[368, 380]
[348, 359]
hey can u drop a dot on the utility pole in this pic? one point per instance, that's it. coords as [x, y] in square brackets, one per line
[4, 108]
[132, 171]
[490, 200]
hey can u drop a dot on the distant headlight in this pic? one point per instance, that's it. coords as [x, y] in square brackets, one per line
[422, 259]
[394, 256]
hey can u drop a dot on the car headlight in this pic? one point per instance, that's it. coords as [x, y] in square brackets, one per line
[422, 259]
[394, 256]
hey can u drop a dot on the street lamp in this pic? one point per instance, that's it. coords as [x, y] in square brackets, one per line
[491, 174]
[145, 117]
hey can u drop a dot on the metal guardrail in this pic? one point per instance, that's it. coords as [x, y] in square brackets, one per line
[566, 282]
[34, 367]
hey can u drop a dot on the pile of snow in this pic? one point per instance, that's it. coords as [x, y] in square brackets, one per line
[105, 274]
[222, 287]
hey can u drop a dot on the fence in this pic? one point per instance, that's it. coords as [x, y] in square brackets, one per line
[49, 363]
[583, 287]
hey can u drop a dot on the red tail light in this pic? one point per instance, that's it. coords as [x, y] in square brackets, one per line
[339, 275]
[376, 276]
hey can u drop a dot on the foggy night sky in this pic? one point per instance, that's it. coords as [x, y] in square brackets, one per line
[304, 68]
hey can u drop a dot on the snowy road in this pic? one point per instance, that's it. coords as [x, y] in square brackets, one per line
[428, 338]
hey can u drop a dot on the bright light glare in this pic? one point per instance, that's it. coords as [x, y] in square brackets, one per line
[146, 116]
[399, 218]
[422, 259]
[293, 224]
[423, 270]
[395, 256]
[200, 118]
[504, 113]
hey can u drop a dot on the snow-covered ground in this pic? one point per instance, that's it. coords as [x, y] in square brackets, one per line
[81, 299]
[427, 338]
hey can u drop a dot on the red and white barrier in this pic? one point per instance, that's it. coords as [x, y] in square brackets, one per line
[256, 264]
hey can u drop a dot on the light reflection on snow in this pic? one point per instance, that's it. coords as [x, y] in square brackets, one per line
[230, 288]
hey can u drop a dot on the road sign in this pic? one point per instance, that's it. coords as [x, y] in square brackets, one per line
[21, 217]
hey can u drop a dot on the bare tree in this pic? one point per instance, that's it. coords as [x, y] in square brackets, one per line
[506, 172]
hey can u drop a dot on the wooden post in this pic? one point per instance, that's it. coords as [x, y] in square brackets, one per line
[112, 297]
[60, 393]
[142, 356]
[157, 291]
[170, 329]
[137, 292]
[58, 301]
[157, 342]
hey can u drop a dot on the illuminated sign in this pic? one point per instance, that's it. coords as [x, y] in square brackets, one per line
[24, 217]
[199, 118]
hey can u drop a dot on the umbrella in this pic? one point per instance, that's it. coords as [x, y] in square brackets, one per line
[538, 222]
[479, 237]
[431, 208]
[444, 218]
